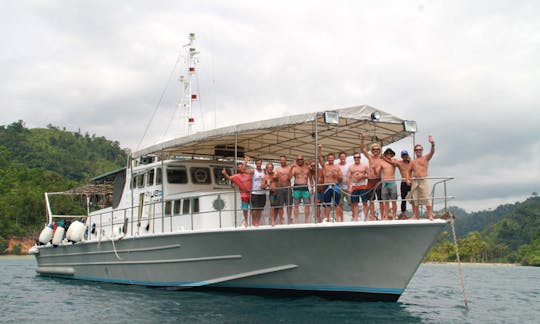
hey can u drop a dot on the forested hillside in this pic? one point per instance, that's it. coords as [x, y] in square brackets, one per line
[34, 161]
[510, 233]
[477, 221]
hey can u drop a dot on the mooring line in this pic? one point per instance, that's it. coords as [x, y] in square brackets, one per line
[461, 278]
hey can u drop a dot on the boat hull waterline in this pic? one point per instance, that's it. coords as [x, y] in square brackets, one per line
[370, 261]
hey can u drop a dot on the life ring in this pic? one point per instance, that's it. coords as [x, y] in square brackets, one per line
[200, 176]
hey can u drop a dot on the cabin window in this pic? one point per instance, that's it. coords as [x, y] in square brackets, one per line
[185, 206]
[200, 175]
[177, 174]
[158, 176]
[168, 207]
[177, 204]
[220, 178]
[134, 182]
[195, 205]
[150, 177]
[140, 180]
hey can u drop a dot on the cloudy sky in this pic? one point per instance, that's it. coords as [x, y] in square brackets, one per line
[467, 71]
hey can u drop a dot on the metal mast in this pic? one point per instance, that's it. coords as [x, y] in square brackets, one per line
[189, 94]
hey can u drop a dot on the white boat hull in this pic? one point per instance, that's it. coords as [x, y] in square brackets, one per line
[362, 260]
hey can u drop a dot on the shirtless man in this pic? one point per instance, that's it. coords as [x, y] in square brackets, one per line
[419, 186]
[317, 172]
[356, 180]
[270, 183]
[389, 186]
[243, 181]
[404, 167]
[374, 177]
[301, 192]
[284, 196]
[344, 167]
[332, 176]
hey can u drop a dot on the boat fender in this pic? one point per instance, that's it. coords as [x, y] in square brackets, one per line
[147, 227]
[58, 236]
[33, 250]
[93, 231]
[46, 234]
[124, 228]
[75, 232]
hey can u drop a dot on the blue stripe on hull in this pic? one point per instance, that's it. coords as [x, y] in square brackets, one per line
[332, 292]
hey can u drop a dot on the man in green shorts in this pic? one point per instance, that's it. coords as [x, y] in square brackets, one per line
[301, 190]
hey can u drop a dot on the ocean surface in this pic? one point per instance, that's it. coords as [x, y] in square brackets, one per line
[495, 294]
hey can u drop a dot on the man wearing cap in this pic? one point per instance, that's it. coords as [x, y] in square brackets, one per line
[389, 187]
[404, 166]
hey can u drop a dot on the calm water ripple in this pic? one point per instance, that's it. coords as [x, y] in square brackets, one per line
[496, 294]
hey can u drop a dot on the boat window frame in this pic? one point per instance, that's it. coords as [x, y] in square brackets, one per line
[195, 205]
[183, 180]
[203, 178]
[177, 206]
[140, 180]
[159, 176]
[150, 174]
[168, 208]
[186, 206]
[219, 179]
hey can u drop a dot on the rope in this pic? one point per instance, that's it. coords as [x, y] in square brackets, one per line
[461, 279]
[160, 99]
[114, 248]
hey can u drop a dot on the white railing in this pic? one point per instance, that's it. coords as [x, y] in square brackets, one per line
[223, 212]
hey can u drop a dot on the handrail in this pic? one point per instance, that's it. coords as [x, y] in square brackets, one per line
[115, 219]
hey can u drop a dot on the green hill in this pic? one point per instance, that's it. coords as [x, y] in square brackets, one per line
[510, 233]
[478, 221]
[34, 161]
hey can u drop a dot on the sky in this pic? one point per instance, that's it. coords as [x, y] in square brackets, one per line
[467, 71]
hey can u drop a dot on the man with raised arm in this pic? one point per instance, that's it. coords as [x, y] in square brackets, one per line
[301, 191]
[374, 177]
[356, 180]
[404, 166]
[332, 176]
[416, 178]
[243, 181]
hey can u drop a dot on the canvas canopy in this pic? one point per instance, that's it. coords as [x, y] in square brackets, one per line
[288, 136]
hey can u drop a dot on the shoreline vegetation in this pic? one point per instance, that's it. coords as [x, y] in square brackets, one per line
[476, 263]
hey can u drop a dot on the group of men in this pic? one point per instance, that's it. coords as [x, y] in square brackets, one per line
[337, 183]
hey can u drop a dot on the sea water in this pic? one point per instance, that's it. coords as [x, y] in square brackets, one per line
[494, 294]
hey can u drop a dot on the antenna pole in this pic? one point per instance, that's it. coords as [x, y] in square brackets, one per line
[189, 95]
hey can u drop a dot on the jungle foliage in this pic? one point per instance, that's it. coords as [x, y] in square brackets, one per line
[34, 161]
[509, 234]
